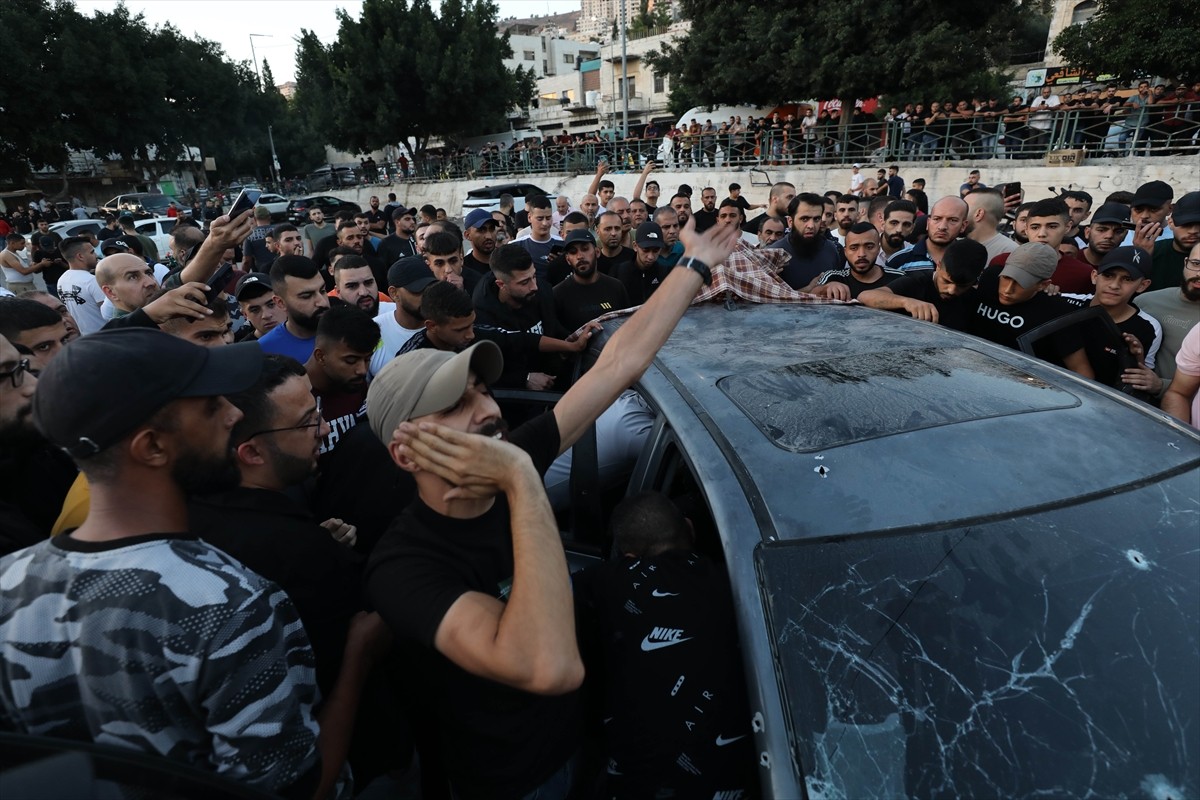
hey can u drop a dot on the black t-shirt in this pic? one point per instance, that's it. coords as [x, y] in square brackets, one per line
[1102, 348]
[1003, 324]
[496, 741]
[578, 303]
[640, 284]
[393, 248]
[322, 248]
[848, 277]
[660, 645]
[608, 265]
[919, 285]
[704, 219]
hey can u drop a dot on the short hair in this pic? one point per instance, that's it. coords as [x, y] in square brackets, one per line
[508, 259]
[346, 224]
[637, 200]
[13, 236]
[537, 201]
[687, 197]
[218, 307]
[727, 202]
[1077, 194]
[185, 222]
[506, 199]
[1050, 207]
[847, 199]
[280, 229]
[895, 167]
[663, 211]
[286, 267]
[991, 201]
[348, 260]
[442, 243]
[920, 200]
[1122, 197]
[900, 207]
[607, 184]
[428, 210]
[647, 524]
[258, 413]
[807, 198]
[580, 218]
[832, 195]
[447, 226]
[19, 314]
[69, 247]
[443, 301]
[863, 227]
[186, 238]
[348, 324]
[778, 189]
[878, 204]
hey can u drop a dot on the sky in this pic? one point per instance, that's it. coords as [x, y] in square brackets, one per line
[230, 22]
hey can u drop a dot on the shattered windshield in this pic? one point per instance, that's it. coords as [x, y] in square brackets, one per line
[1053, 655]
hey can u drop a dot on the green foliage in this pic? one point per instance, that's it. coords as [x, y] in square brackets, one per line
[1135, 39]
[769, 53]
[647, 20]
[404, 72]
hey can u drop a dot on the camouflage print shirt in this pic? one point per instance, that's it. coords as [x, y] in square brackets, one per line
[158, 643]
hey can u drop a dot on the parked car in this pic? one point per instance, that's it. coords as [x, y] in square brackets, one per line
[66, 211]
[488, 197]
[329, 177]
[297, 210]
[158, 230]
[958, 571]
[74, 227]
[277, 204]
[142, 205]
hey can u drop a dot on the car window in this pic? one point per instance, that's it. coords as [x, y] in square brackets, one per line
[1046, 655]
[79, 230]
[148, 228]
[167, 226]
[674, 476]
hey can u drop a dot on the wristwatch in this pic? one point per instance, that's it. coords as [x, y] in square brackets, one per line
[699, 267]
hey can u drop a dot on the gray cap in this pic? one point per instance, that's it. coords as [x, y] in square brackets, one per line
[1030, 264]
[426, 381]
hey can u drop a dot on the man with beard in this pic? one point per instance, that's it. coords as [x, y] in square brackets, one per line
[60, 308]
[481, 233]
[610, 231]
[845, 216]
[778, 202]
[899, 218]
[337, 369]
[587, 293]
[403, 241]
[1178, 311]
[946, 222]
[288, 241]
[350, 234]
[706, 217]
[589, 204]
[407, 279]
[811, 252]
[34, 329]
[1109, 224]
[377, 220]
[682, 203]
[298, 283]
[1169, 254]
[645, 273]
[669, 225]
[862, 271]
[943, 295]
[771, 231]
[472, 575]
[34, 475]
[127, 280]
[354, 284]
[144, 416]
[985, 209]
[514, 299]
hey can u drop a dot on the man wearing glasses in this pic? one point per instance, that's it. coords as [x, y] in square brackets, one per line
[1178, 310]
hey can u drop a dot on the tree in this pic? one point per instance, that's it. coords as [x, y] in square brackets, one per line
[773, 53]
[1130, 39]
[403, 73]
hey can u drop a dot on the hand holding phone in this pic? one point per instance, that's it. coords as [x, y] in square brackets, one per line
[244, 202]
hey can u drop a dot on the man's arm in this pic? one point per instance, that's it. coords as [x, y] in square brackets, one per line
[888, 300]
[1078, 363]
[594, 187]
[631, 349]
[641, 182]
[1177, 400]
[529, 642]
[12, 262]
[223, 233]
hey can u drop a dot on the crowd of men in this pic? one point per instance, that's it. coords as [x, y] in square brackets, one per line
[261, 513]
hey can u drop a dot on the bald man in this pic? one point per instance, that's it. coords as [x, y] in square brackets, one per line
[127, 280]
[946, 222]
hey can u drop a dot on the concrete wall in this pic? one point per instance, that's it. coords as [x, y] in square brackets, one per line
[1098, 178]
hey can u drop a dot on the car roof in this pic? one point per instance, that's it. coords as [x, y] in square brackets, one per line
[838, 419]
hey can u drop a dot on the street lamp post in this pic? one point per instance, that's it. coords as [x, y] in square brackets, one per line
[624, 78]
[254, 55]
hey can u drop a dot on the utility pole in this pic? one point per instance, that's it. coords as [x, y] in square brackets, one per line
[624, 78]
[274, 159]
[254, 55]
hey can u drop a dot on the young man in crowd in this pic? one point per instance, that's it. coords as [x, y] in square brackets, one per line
[811, 252]
[540, 243]
[261, 307]
[1177, 309]
[587, 293]
[407, 279]
[299, 284]
[861, 271]
[480, 230]
[845, 215]
[1109, 224]
[944, 295]
[338, 368]
[402, 241]
[610, 231]
[1047, 223]
[37, 331]
[354, 284]
[985, 210]
[947, 221]
[1169, 254]
[642, 276]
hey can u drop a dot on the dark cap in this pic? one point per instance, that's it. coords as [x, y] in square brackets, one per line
[410, 273]
[114, 242]
[478, 218]
[1187, 209]
[100, 389]
[1154, 193]
[648, 234]
[964, 260]
[400, 211]
[252, 285]
[577, 236]
[1112, 213]
[1135, 260]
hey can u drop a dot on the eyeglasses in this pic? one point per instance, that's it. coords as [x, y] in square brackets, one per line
[17, 375]
[1191, 264]
[317, 425]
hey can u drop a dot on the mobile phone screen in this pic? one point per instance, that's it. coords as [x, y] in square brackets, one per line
[245, 201]
[217, 282]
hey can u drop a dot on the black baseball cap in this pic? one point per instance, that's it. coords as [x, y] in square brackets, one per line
[1187, 209]
[410, 273]
[1154, 193]
[649, 234]
[252, 285]
[1112, 213]
[1134, 260]
[577, 236]
[100, 389]
[113, 243]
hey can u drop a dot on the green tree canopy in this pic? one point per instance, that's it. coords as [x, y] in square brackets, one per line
[769, 53]
[403, 72]
[1135, 39]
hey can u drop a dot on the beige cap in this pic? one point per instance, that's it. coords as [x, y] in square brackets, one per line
[426, 381]
[1030, 264]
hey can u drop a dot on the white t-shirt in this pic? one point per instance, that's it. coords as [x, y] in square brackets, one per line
[1043, 120]
[393, 336]
[82, 296]
[10, 274]
[856, 182]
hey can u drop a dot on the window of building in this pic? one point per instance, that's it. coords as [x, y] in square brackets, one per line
[530, 55]
[1083, 12]
[660, 83]
[568, 58]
